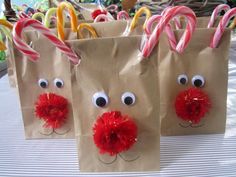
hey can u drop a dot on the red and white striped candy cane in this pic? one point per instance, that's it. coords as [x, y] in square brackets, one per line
[164, 21]
[112, 8]
[27, 50]
[168, 30]
[221, 27]
[216, 12]
[101, 17]
[176, 19]
[23, 15]
[123, 15]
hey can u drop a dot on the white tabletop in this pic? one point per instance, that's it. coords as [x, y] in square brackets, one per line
[205, 155]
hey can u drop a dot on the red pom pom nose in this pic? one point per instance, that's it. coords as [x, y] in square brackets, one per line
[114, 133]
[53, 109]
[192, 105]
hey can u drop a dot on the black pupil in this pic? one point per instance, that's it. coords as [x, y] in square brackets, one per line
[43, 84]
[128, 100]
[101, 102]
[198, 83]
[183, 81]
[59, 84]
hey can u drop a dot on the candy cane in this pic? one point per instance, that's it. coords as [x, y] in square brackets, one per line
[168, 30]
[216, 12]
[101, 17]
[23, 15]
[28, 51]
[123, 15]
[88, 27]
[112, 8]
[175, 19]
[221, 27]
[8, 25]
[49, 15]
[38, 15]
[60, 19]
[142, 10]
[173, 12]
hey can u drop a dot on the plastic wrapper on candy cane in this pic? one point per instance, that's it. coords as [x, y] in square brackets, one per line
[164, 21]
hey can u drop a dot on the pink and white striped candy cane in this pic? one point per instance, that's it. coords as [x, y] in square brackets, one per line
[216, 12]
[123, 15]
[221, 27]
[173, 12]
[168, 30]
[27, 50]
[101, 17]
[112, 8]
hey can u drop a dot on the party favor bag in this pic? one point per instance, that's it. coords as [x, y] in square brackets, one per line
[193, 82]
[44, 85]
[116, 108]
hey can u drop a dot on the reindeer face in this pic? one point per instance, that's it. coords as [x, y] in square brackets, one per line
[44, 89]
[116, 112]
[193, 86]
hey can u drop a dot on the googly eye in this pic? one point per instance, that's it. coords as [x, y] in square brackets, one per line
[58, 83]
[128, 98]
[198, 81]
[100, 99]
[43, 83]
[182, 79]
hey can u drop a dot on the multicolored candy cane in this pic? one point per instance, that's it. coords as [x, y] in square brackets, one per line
[39, 15]
[123, 15]
[49, 15]
[216, 12]
[168, 30]
[88, 27]
[164, 21]
[28, 51]
[60, 19]
[221, 27]
[9, 26]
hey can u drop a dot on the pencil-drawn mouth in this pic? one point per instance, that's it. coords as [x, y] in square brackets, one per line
[191, 125]
[54, 131]
[115, 158]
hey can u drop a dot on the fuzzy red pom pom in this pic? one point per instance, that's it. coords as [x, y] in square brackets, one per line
[192, 105]
[114, 133]
[53, 109]
[97, 12]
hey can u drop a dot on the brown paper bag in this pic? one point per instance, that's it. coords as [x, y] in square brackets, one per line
[51, 69]
[199, 73]
[113, 80]
[10, 64]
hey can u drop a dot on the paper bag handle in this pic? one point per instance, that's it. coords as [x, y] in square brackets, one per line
[89, 28]
[164, 21]
[31, 53]
[60, 20]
